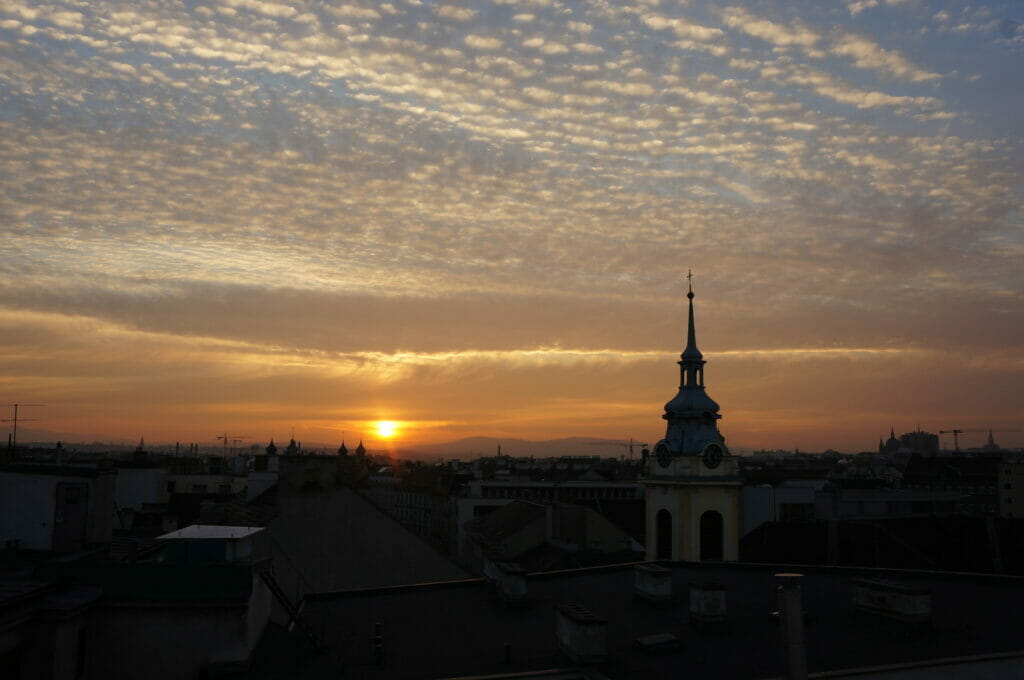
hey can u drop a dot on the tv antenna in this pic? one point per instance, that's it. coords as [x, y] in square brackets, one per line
[15, 419]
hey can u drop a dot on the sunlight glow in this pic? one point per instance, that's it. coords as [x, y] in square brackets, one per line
[386, 429]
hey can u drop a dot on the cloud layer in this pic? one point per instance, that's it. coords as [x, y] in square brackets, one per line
[479, 214]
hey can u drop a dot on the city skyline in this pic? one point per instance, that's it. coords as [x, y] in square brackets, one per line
[475, 219]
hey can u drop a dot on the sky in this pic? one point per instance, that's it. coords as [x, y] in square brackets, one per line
[476, 218]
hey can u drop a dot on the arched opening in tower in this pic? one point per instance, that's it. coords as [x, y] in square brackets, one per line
[663, 538]
[711, 538]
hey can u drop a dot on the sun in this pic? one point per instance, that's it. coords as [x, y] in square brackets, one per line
[386, 428]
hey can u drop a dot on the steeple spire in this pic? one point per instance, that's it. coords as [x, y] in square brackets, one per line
[691, 353]
[691, 414]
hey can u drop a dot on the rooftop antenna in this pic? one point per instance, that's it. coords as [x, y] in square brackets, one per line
[15, 419]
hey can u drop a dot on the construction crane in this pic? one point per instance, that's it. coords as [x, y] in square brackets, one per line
[14, 420]
[630, 445]
[233, 438]
[957, 432]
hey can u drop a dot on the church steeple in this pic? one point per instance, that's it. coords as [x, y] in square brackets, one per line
[692, 502]
[691, 415]
[691, 360]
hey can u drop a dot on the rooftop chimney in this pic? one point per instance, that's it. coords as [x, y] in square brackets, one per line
[581, 635]
[652, 582]
[791, 624]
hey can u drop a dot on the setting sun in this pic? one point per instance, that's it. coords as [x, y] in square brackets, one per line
[386, 428]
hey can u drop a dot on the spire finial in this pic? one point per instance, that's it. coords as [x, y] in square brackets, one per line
[691, 352]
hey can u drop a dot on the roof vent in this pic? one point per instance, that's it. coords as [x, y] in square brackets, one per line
[892, 600]
[707, 602]
[582, 636]
[652, 582]
[511, 583]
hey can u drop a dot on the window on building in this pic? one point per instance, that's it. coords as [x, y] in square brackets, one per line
[199, 488]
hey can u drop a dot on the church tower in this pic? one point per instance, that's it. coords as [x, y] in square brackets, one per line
[692, 481]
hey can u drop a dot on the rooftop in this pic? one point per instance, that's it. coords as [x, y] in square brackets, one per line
[212, 531]
[461, 628]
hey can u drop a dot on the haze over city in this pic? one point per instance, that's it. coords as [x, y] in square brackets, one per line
[475, 219]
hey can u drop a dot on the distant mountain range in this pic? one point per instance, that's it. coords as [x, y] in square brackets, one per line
[488, 446]
[469, 447]
[29, 436]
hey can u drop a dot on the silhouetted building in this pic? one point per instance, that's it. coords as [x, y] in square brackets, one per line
[542, 537]
[920, 442]
[975, 479]
[1009, 488]
[59, 508]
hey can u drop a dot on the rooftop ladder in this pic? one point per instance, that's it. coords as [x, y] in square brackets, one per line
[294, 611]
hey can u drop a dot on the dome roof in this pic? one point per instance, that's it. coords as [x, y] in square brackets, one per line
[691, 400]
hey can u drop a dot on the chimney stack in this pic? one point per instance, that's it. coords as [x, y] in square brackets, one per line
[791, 623]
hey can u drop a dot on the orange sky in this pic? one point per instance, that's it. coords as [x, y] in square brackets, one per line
[475, 218]
[103, 380]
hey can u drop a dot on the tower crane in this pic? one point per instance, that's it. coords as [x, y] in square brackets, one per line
[630, 445]
[233, 438]
[956, 432]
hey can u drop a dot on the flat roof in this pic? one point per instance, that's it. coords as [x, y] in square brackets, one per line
[213, 531]
[460, 629]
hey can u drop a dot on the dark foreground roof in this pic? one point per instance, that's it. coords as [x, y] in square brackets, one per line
[494, 527]
[460, 628]
[962, 543]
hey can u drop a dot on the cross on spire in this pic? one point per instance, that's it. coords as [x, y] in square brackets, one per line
[689, 283]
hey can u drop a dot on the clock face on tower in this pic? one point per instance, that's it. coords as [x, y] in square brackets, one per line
[712, 456]
[664, 458]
